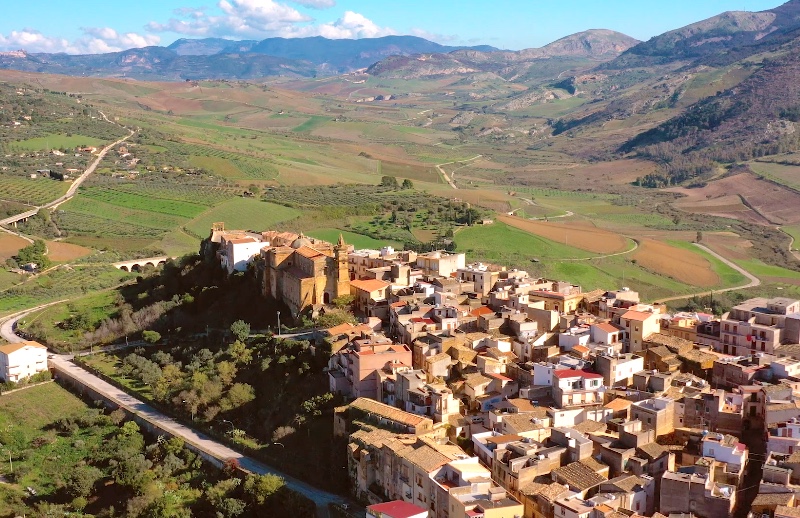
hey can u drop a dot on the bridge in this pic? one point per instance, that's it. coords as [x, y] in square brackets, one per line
[137, 265]
[19, 218]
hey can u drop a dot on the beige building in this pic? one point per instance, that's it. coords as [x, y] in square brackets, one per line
[303, 273]
[440, 264]
[759, 325]
[371, 297]
[22, 360]
[639, 326]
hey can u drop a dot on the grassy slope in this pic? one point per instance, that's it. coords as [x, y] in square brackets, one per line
[242, 213]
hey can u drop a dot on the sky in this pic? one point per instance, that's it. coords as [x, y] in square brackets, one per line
[95, 26]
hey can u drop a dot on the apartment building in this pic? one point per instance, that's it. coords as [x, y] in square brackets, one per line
[759, 325]
[573, 388]
[354, 370]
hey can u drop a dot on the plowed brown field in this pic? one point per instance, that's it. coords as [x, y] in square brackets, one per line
[680, 264]
[60, 251]
[10, 245]
[586, 238]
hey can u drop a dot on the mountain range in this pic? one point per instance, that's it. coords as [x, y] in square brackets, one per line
[216, 58]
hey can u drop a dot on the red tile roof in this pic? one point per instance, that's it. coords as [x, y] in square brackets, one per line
[498, 376]
[483, 310]
[608, 328]
[369, 285]
[636, 315]
[572, 373]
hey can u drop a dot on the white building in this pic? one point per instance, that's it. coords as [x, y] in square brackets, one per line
[236, 251]
[22, 360]
[785, 437]
[725, 448]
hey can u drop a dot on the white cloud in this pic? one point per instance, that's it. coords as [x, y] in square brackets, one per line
[445, 39]
[32, 40]
[316, 4]
[94, 40]
[267, 18]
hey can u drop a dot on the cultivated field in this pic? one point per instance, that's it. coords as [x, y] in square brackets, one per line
[60, 251]
[10, 245]
[241, 213]
[590, 239]
[680, 264]
[764, 202]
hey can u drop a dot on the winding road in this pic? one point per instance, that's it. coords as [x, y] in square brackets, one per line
[72, 188]
[753, 280]
[197, 439]
[451, 180]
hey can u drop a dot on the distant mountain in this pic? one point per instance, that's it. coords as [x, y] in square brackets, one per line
[210, 46]
[739, 33]
[217, 58]
[346, 55]
[158, 64]
[593, 45]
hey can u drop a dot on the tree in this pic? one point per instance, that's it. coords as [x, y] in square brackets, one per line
[81, 481]
[238, 395]
[260, 488]
[389, 182]
[151, 337]
[408, 184]
[241, 330]
[239, 352]
[343, 301]
[226, 372]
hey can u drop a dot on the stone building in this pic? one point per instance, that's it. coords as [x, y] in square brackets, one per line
[303, 273]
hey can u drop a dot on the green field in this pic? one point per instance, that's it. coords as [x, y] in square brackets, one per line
[761, 269]
[45, 324]
[241, 214]
[311, 124]
[31, 191]
[151, 203]
[56, 142]
[503, 244]
[28, 416]
[61, 283]
[359, 241]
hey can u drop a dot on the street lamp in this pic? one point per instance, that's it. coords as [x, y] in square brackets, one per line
[191, 410]
[230, 423]
[279, 444]
[279, 324]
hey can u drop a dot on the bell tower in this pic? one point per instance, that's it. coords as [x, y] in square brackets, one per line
[342, 270]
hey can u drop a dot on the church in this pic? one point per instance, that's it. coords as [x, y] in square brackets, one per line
[303, 272]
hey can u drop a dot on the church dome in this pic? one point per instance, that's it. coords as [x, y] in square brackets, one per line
[300, 242]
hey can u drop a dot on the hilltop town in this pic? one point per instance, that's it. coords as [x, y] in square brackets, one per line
[475, 390]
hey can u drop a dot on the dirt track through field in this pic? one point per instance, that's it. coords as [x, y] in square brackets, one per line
[585, 238]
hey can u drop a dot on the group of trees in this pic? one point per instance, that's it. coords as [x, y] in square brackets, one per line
[390, 182]
[35, 253]
[128, 474]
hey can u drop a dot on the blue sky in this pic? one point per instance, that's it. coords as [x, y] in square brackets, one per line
[90, 26]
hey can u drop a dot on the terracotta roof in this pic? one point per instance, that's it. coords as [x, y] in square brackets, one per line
[773, 499]
[499, 377]
[783, 510]
[608, 328]
[572, 373]
[369, 285]
[636, 315]
[12, 348]
[578, 475]
[499, 439]
[389, 412]
[475, 379]
[424, 456]
[618, 404]
[589, 426]
[581, 349]
[652, 450]
[483, 310]
[311, 253]
[521, 423]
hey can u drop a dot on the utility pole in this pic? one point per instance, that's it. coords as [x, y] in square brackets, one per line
[279, 324]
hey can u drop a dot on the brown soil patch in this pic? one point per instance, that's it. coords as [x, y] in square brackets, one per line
[60, 251]
[680, 264]
[728, 244]
[10, 245]
[589, 239]
[761, 201]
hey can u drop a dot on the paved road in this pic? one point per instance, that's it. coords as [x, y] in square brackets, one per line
[201, 441]
[216, 449]
[753, 280]
[72, 188]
